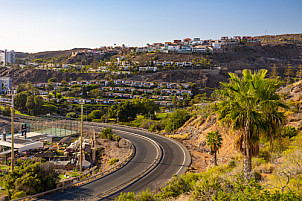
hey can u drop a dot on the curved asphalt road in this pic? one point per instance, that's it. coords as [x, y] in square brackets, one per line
[175, 160]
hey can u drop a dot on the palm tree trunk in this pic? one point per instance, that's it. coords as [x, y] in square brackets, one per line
[247, 166]
[215, 158]
[247, 161]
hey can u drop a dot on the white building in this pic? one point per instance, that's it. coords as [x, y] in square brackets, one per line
[32, 141]
[216, 46]
[7, 57]
[5, 84]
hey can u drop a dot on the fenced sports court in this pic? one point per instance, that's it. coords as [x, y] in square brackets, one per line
[56, 126]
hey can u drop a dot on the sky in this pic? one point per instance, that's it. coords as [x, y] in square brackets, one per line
[44, 25]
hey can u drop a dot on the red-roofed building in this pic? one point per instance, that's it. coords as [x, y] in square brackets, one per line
[247, 38]
[158, 44]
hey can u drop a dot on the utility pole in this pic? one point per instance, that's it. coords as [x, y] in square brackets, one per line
[12, 131]
[81, 140]
[94, 146]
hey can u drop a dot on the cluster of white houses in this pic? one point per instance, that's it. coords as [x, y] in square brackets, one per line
[119, 82]
[189, 45]
[161, 92]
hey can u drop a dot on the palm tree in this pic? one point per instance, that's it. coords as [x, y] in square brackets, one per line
[250, 104]
[214, 141]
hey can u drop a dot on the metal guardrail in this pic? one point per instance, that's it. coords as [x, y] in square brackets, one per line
[134, 179]
[81, 179]
[116, 189]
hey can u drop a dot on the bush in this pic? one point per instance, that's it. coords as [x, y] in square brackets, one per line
[74, 174]
[18, 195]
[146, 195]
[113, 161]
[179, 185]
[289, 131]
[176, 119]
[31, 178]
[71, 115]
[265, 154]
[146, 124]
[96, 114]
[232, 164]
[6, 111]
[107, 133]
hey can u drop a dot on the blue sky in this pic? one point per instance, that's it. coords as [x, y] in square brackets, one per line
[40, 25]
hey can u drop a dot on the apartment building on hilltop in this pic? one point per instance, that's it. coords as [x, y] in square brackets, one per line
[7, 57]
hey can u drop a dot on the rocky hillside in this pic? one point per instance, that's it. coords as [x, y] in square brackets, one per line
[40, 76]
[275, 49]
[198, 127]
[204, 82]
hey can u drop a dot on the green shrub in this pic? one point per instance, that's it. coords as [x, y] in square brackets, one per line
[96, 114]
[130, 196]
[176, 119]
[31, 178]
[19, 194]
[71, 115]
[146, 195]
[265, 154]
[113, 161]
[179, 185]
[74, 174]
[146, 124]
[232, 164]
[289, 131]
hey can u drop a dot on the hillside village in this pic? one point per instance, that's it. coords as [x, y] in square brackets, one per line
[186, 46]
[137, 87]
[162, 92]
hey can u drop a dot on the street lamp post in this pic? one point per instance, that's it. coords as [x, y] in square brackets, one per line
[82, 102]
[12, 131]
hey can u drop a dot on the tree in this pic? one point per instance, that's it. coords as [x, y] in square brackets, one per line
[176, 119]
[95, 93]
[96, 114]
[214, 141]
[274, 73]
[21, 87]
[174, 100]
[31, 178]
[288, 73]
[247, 104]
[20, 100]
[30, 104]
[38, 104]
[123, 112]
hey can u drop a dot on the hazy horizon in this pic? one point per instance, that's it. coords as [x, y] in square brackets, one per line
[36, 26]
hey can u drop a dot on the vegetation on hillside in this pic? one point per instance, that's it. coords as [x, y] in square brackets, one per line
[271, 149]
[30, 178]
[250, 104]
